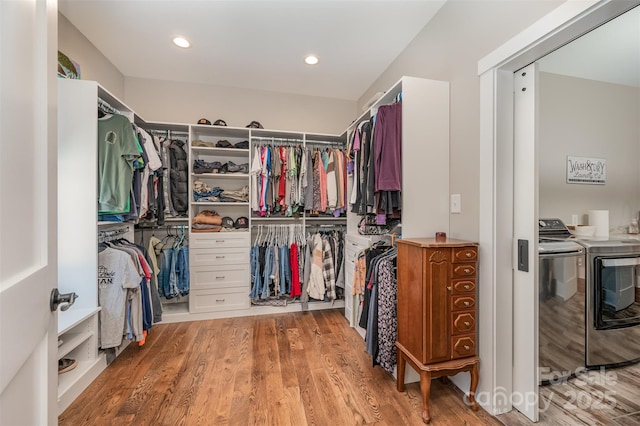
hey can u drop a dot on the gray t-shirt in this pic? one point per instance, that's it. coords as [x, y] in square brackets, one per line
[116, 274]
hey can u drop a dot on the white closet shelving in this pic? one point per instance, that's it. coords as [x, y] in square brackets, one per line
[425, 166]
[219, 262]
[78, 230]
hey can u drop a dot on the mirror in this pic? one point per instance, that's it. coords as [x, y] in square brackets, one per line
[589, 108]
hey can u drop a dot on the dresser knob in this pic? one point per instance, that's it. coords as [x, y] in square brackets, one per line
[467, 286]
[467, 347]
[467, 270]
[468, 254]
[467, 323]
[466, 303]
[449, 288]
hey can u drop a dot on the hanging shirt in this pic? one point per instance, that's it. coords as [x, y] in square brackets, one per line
[332, 190]
[295, 272]
[117, 150]
[387, 148]
[256, 167]
[116, 274]
[315, 287]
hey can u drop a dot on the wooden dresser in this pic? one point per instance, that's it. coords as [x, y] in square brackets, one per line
[437, 312]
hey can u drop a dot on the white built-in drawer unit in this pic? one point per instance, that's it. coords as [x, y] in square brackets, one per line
[219, 256]
[219, 299]
[222, 240]
[219, 271]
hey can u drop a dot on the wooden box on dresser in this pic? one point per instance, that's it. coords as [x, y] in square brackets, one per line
[437, 311]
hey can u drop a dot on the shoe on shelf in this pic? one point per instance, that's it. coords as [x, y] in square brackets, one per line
[66, 364]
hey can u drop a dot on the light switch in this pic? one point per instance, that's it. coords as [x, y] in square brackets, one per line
[455, 203]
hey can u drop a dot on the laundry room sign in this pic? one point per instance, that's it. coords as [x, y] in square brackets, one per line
[592, 171]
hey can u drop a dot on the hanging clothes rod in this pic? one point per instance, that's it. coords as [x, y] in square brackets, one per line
[167, 133]
[259, 139]
[143, 227]
[324, 143]
[105, 107]
[109, 235]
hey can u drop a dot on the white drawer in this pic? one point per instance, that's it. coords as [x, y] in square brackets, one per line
[230, 276]
[219, 239]
[214, 257]
[218, 300]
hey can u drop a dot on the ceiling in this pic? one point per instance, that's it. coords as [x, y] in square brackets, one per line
[609, 53]
[254, 44]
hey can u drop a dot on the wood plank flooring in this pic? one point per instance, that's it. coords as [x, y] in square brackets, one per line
[307, 368]
[607, 397]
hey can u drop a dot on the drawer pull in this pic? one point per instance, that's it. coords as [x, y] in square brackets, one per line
[466, 303]
[467, 286]
[220, 278]
[219, 241]
[468, 254]
[467, 347]
[467, 323]
[449, 288]
[222, 300]
[219, 257]
[467, 270]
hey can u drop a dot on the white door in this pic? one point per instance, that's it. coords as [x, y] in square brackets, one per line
[525, 235]
[28, 272]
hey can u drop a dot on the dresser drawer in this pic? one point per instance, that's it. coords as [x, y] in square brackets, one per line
[232, 276]
[463, 346]
[219, 240]
[464, 286]
[464, 254]
[464, 270]
[459, 303]
[463, 322]
[217, 300]
[206, 257]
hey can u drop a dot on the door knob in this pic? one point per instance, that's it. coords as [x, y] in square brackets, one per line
[63, 300]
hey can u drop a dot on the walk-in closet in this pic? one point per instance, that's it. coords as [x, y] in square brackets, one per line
[233, 222]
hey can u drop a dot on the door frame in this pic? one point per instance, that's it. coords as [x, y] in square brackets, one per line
[567, 22]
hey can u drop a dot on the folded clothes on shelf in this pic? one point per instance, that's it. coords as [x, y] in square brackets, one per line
[203, 192]
[201, 166]
[201, 143]
[232, 167]
[208, 217]
[203, 227]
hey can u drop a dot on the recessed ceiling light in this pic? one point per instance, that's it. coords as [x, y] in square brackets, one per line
[181, 42]
[311, 59]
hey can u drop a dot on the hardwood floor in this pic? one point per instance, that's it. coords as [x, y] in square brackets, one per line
[607, 398]
[286, 369]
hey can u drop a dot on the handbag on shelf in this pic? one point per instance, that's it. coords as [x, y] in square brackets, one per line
[368, 225]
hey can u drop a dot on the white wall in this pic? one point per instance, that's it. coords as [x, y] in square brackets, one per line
[93, 64]
[587, 118]
[157, 100]
[449, 48]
